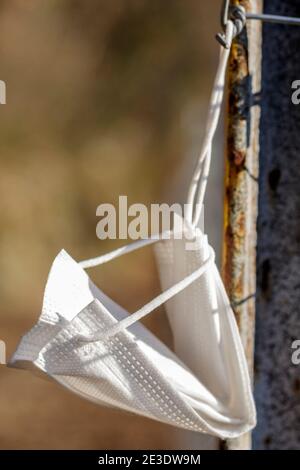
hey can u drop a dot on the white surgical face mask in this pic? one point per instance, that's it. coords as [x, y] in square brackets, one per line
[91, 345]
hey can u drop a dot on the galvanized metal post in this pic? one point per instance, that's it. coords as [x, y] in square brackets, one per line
[240, 212]
[277, 378]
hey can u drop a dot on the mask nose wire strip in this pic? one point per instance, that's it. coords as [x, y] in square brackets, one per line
[155, 303]
[199, 180]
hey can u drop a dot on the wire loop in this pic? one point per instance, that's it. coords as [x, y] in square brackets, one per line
[235, 14]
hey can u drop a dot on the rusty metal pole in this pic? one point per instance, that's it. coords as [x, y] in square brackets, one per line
[241, 184]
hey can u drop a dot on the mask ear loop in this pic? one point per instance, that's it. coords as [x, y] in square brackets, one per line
[198, 184]
[195, 199]
[93, 262]
[153, 304]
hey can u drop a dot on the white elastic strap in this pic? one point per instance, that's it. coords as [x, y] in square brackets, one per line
[123, 250]
[199, 180]
[155, 303]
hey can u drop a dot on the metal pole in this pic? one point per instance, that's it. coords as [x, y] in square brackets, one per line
[277, 389]
[240, 211]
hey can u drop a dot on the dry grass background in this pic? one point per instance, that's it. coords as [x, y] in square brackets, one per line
[103, 98]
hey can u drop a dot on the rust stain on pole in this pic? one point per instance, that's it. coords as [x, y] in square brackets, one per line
[241, 186]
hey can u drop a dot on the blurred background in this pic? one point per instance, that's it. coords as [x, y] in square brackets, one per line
[104, 98]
